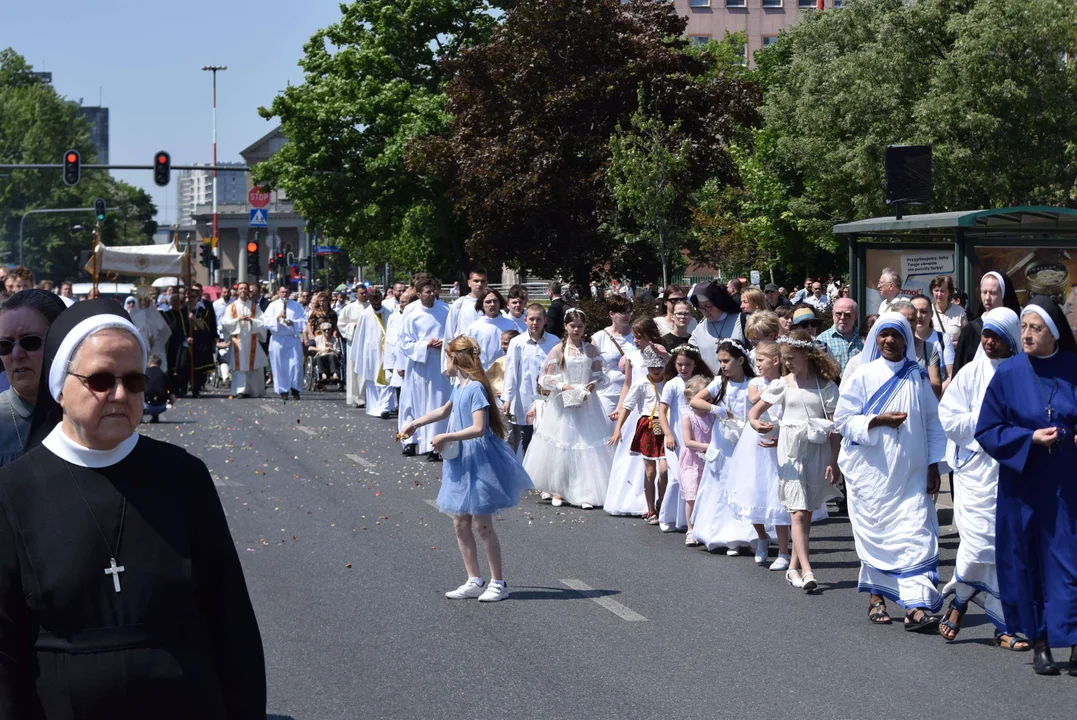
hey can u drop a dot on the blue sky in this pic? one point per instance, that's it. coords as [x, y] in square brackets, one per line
[144, 57]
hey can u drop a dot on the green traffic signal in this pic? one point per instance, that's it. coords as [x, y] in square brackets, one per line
[99, 209]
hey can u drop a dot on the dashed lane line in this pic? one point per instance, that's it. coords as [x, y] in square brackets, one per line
[358, 459]
[308, 431]
[431, 503]
[612, 605]
[271, 410]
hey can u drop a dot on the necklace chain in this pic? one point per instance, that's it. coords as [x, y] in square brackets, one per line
[123, 515]
[15, 422]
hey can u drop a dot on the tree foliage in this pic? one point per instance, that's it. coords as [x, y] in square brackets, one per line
[984, 82]
[373, 85]
[532, 112]
[37, 126]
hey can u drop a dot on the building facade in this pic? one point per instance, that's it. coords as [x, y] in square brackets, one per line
[195, 187]
[760, 20]
[98, 119]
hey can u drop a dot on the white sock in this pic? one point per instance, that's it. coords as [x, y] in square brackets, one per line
[478, 581]
[498, 582]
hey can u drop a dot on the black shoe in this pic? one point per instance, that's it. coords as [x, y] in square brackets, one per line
[409, 450]
[195, 394]
[284, 396]
[1043, 663]
[295, 394]
[1073, 661]
[433, 457]
[155, 418]
[385, 416]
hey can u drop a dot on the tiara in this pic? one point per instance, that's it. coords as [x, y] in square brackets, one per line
[791, 342]
[737, 343]
[683, 348]
[575, 310]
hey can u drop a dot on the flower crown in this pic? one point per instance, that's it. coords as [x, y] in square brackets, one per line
[738, 344]
[576, 310]
[792, 342]
[683, 348]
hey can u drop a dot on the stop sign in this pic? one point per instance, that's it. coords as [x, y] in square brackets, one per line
[258, 197]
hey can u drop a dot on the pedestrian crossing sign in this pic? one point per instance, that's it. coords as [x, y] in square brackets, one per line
[259, 217]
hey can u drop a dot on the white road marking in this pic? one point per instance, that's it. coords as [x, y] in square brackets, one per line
[271, 410]
[307, 430]
[612, 605]
[431, 503]
[360, 460]
[224, 482]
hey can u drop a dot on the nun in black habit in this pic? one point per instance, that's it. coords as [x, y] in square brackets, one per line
[721, 321]
[121, 594]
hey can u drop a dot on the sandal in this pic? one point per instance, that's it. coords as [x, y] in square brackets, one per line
[1015, 643]
[878, 615]
[950, 628]
[651, 518]
[925, 624]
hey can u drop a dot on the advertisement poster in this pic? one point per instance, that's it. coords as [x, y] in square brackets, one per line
[916, 267]
[1034, 271]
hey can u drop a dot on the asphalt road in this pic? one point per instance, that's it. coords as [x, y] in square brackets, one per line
[347, 558]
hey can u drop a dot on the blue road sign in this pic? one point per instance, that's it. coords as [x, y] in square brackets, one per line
[259, 217]
[326, 249]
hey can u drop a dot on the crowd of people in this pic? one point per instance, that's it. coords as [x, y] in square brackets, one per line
[733, 416]
[728, 413]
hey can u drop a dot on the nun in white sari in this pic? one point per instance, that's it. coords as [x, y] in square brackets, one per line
[976, 480]
[892, 445]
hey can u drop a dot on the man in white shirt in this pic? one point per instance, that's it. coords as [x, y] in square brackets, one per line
[285, 320]
[517, 301]
[392, 296]
[525, 360]
[889, 287]
[221, 304]
[817, 299]
[463, 312]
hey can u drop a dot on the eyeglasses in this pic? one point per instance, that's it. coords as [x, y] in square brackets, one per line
[133, 382]
[682, 314]
[843, 313]
[29, 343]
[810, 323]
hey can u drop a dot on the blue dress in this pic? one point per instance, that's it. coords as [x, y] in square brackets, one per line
[486, 476]
[1036, 518]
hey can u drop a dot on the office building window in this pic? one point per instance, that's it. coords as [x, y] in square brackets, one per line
[736, 3]
[772, 3]
[769, 40]
[806, 4]
[838, 3]
[699, 3]
[699, 39]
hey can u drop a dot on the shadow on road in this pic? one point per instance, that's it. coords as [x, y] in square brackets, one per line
[552, 593]
[279, 717]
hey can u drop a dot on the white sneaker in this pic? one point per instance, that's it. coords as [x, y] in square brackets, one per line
[782, 563]
[732, 552]
[470, 589]
[761, 546]
[495, 591]
[586, 506]
[556, 502]
[690, 540]
[545, 495]
[666, 527]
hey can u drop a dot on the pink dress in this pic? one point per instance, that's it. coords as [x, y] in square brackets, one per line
[690, 469]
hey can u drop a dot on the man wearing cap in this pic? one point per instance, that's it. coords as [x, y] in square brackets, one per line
[775, 298]
[721, 321]
[843, 340]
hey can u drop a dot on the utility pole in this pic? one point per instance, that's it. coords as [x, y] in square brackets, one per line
[215, 242]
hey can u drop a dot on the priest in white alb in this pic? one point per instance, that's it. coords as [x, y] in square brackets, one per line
[425, 386]
[243, 327]
[393, 359]
[347, 321]
[369, 355]
[976, 479]
[285, 320]
[487, 329]
[153, 328]
[893, 442]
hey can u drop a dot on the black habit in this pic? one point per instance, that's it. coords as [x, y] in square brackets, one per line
[180, 638]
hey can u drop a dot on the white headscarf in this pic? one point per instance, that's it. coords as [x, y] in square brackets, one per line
[1001, 282]
[71, 342]
[1004, 322]
[1043, 315]
[888, 321]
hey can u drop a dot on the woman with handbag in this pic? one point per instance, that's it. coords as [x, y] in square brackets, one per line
[480, 475]
[807, 443]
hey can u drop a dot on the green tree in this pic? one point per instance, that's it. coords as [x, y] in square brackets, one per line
[985, 82]
[532, 115]
[649, 180]
[373, 85]
[37, 127]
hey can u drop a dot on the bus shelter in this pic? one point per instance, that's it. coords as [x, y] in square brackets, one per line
[1035, 246]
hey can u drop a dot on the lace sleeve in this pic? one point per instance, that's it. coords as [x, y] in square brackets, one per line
[598, 370]
[553, 375]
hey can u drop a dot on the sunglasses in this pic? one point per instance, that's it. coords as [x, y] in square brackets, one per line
[133, 382]
[29, 343]
[810, 323]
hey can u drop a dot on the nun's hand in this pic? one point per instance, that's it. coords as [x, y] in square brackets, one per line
[1045, 436]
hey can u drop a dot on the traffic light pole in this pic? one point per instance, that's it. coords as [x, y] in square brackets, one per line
[45, 211]
[59, 166]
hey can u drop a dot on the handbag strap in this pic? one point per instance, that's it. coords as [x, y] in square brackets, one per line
[615, 343]
[818, 391]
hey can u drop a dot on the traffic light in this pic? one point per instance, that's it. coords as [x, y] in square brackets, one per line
[205, 253]
[254, 264]
[162, 168]
[72, 168]
[99, 209]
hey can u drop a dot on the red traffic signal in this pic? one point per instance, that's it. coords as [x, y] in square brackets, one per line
[72, 168]
[162, 168]
[252, 247]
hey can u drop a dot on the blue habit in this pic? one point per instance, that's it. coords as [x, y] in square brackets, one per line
[1036, 520]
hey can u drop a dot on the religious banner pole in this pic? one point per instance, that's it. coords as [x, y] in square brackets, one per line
[96, 259]
[190, 313]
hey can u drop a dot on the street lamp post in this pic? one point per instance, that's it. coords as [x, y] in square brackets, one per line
[215, 240]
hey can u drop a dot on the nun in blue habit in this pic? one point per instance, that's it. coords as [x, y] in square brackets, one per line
[1027, 423]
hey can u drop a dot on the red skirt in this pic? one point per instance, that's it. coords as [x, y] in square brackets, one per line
[646, 443]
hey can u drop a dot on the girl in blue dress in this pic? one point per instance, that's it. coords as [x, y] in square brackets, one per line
[480, 474]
